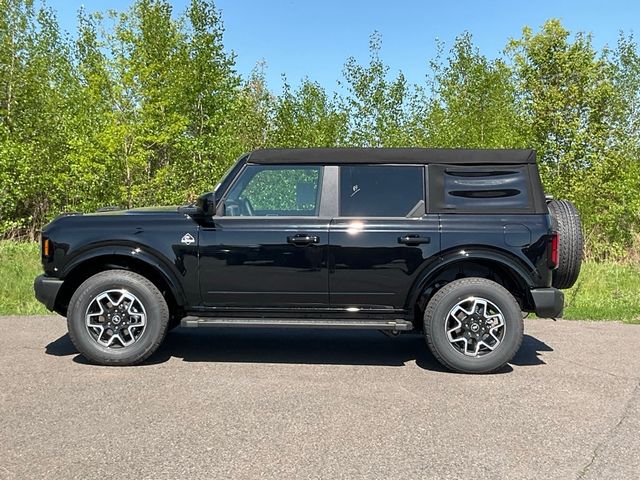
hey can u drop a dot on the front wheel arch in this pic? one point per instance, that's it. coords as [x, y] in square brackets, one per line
[99, 263]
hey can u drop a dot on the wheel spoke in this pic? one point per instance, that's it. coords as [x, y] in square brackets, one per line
[475, 326]
[490, 347]
[455, 328]
[492, 332]
[116, 319]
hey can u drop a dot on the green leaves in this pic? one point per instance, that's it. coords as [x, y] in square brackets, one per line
[307, 117]
[473, 101]
[145, 107]
[35, 82]
[577, 110]
[378, 107]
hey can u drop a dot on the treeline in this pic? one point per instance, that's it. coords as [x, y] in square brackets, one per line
[139, 108]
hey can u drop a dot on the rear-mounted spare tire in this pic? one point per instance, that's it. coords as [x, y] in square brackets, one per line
[566, 221]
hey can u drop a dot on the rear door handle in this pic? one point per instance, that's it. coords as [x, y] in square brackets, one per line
[413, 239]
[303, 239]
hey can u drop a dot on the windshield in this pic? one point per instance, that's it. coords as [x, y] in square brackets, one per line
[229, 175]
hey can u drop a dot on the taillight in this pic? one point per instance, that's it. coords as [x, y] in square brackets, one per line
[553, 258]
[46, 248]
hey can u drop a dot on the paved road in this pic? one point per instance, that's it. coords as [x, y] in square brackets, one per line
[317, 404]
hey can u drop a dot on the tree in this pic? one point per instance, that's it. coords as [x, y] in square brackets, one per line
[307, 117]
[611, 200]
[573, 114]
[566, 99]
[36, 81]
[377, 107]
[204, 92]
[171, 94]
[472, 102]
[95, 175]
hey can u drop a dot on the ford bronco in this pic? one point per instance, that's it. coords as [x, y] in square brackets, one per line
[452, 244]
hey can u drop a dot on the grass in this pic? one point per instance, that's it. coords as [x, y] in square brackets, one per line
[604, 291]
[19, 265]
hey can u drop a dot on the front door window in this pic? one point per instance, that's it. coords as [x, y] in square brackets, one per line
[275, 191]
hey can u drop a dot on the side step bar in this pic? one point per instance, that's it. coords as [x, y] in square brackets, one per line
[394, 325]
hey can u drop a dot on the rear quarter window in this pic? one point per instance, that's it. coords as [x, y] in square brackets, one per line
[480, 189]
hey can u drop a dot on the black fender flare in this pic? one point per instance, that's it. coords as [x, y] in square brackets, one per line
[138, 253]
[513, 264]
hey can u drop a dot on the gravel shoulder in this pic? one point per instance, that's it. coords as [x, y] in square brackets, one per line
[225, 403]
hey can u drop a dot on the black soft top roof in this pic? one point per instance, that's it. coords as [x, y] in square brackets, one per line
[460, 156]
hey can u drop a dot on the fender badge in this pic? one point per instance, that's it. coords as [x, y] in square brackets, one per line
[187, 239]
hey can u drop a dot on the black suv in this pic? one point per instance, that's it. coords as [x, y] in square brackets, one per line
[452, 243]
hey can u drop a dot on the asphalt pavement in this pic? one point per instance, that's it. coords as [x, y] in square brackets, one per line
[294, 404]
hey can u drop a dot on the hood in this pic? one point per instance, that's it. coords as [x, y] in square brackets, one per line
[115, 218]
[110, 211]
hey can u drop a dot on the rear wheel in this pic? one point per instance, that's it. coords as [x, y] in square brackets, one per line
[473, 325]
[117, 317]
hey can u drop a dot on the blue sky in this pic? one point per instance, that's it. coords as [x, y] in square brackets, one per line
[314, 38]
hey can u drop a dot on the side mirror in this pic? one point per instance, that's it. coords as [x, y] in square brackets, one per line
[207, 204]
[204, 206]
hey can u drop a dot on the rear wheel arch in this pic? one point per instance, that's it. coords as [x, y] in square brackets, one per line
[491, 267]
[90, 265]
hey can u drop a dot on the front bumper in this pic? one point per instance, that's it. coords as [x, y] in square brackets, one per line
[547, 302]
[46, 289]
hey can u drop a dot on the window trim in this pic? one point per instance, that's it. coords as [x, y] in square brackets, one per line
[425, 194]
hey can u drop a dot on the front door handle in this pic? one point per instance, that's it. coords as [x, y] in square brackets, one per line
[303, 239]
[413, 239]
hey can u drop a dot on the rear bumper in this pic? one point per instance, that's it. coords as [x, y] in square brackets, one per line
[547, 302]
[46, 289]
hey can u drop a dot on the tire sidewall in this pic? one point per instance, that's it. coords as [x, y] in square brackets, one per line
[436, 330]
[565, 219]
[156, 318]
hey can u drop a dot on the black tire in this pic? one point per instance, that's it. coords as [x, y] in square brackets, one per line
[150, 338]
[566, 221]
[436, 316]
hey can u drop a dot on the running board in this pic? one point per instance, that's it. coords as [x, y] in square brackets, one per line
[394, 325]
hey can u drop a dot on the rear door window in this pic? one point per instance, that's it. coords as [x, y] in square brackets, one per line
[381, 190]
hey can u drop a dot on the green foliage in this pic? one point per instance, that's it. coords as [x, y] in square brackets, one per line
[137, 110]
[144, 106]
[378, 108]
[473, 102]
[19, 266]
[605, 291]
[577, 111]
[307, 118]
[565, 102]
[35, 81]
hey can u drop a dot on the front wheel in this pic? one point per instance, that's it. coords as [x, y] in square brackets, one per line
[117, 317]
[473, 325]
